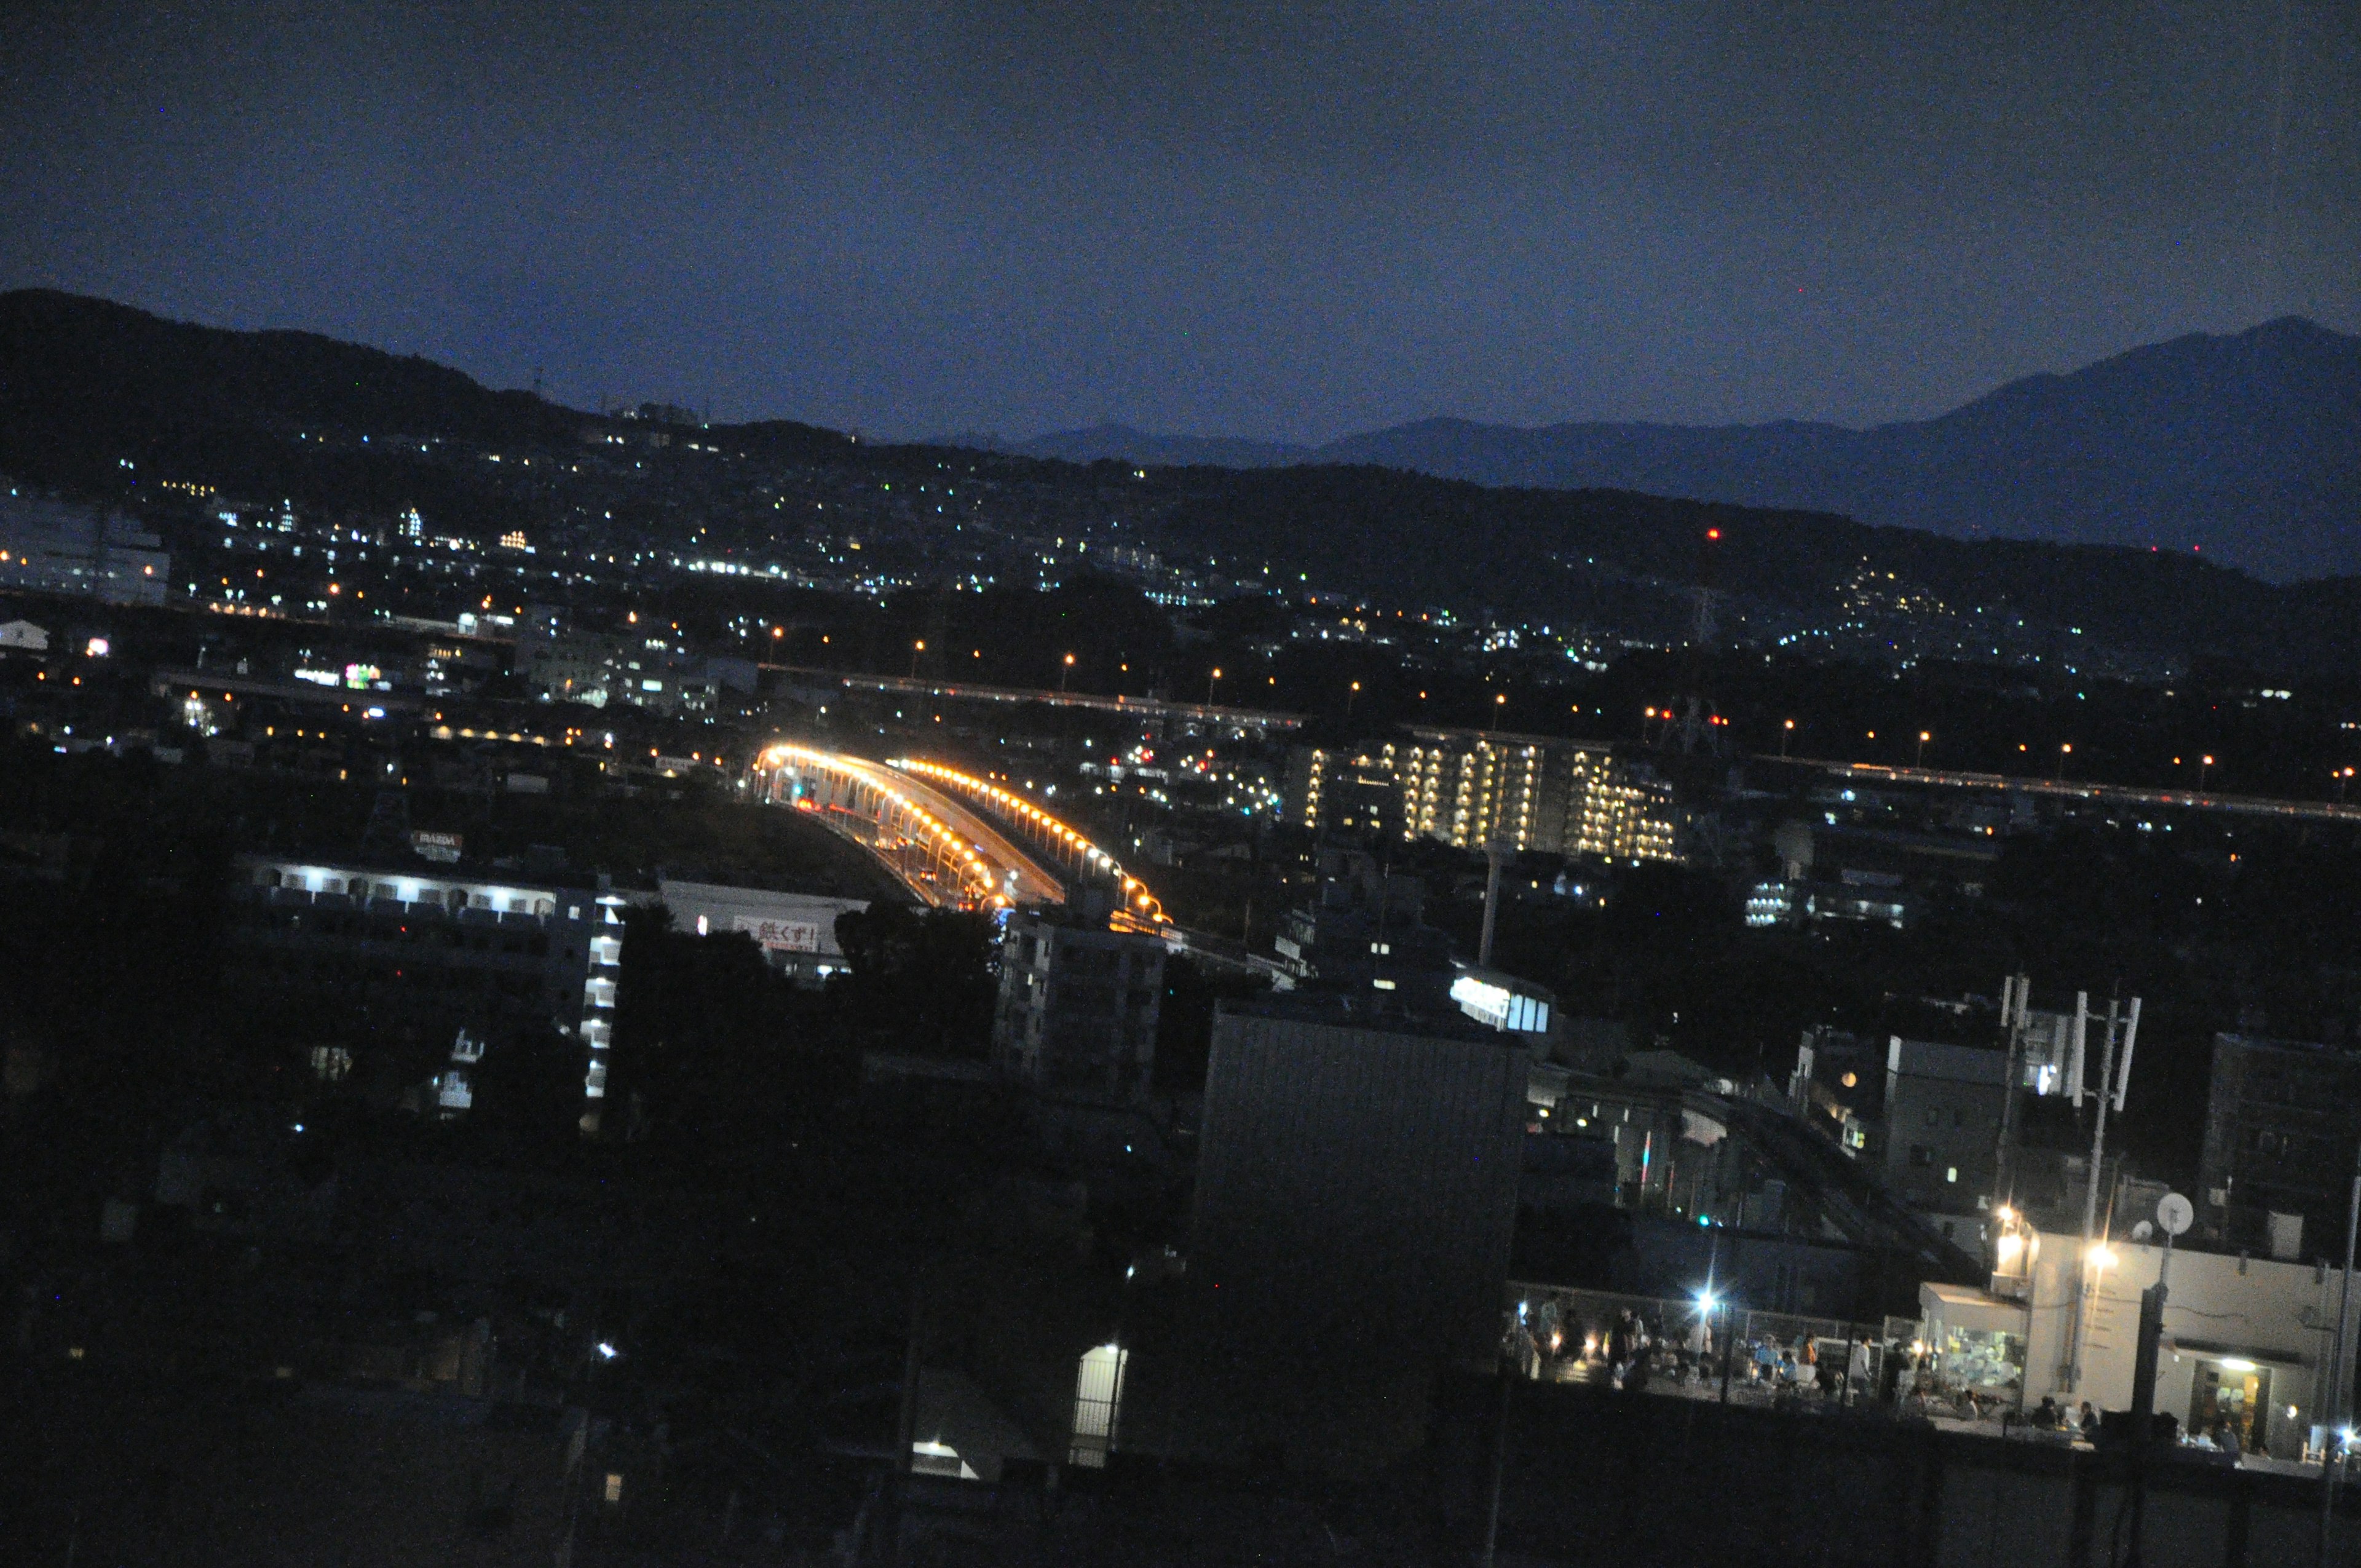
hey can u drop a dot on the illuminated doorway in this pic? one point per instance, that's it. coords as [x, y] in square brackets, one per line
[2232, 1395]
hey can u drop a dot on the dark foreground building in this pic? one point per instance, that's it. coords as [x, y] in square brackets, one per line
[1356, 1192]
[2282, 1120]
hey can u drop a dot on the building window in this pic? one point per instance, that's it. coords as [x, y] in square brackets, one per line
[1951, 1173]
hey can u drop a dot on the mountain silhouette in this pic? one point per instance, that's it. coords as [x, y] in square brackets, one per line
[2243, 447]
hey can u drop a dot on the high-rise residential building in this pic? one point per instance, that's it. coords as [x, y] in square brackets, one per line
[1079, 1006]
[2282, 1121]
[1622, 812]
[1471, 788]
[1349, 790]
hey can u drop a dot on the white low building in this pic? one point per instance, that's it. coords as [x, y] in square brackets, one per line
[2245, 1339]
[797, 931]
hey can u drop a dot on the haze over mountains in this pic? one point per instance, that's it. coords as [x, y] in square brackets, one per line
[2247, 447]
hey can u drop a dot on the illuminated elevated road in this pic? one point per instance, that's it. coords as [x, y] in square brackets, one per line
[1046, 839]
[947, 854]
[2071, 789]
[1216, 715]
[955, 840]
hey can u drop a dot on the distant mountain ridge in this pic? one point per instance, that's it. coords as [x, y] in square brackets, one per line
[96, 366]
[101, 401]
[2246, 446]
[1100, 443]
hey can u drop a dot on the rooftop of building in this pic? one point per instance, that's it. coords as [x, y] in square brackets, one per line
[405, 868]
[2347, 1050]
[1374, 1011]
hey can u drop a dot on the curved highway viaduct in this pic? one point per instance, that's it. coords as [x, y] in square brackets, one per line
[954, 839]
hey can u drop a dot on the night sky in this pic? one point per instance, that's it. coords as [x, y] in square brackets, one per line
[1289, 221]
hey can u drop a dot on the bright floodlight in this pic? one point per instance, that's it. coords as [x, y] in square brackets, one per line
[607, 1350]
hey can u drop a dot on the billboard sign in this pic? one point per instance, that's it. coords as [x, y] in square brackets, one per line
[781, 936]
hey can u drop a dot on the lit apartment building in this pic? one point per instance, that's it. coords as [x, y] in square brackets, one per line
[1470, 787]
[1342, 790]
[1623, 815]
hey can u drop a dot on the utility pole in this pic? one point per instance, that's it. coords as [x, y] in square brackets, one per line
[905, 1421]
[1492, 851]
[2173, 1213]
[2014, 992]
[2173, 1216]
[2111, 1081]
[2340, 1382]
[1509, 1377]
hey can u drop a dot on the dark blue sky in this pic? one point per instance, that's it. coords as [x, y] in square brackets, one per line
[1280, 221]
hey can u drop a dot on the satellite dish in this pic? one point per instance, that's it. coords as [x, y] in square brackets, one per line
[2174, 1214]
[2141, 1231]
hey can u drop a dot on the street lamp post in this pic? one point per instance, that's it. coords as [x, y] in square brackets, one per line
[1924, 736]
[1786, 733]
[1209, 684]
[2204, 767]
[1350, 697]
[916, 649]
[1064, 674]
[2065, 750]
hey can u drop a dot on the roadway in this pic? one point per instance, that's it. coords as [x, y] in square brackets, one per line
[942, 850]
[976, 691]
[2073, 789]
